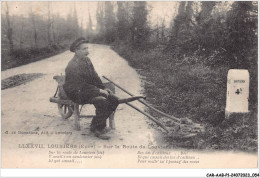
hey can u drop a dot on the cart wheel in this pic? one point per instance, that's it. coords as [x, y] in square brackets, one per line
[65, 110]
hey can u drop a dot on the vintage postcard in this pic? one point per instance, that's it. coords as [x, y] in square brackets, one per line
[128, 84]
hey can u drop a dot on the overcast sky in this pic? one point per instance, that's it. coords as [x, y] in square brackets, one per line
[160, 9]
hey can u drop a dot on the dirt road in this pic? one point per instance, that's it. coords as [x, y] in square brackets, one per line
[27, 108]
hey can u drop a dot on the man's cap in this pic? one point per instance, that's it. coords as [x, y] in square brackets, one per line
[76, 43]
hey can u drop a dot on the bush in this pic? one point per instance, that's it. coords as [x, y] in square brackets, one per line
[188, 87]
[24, 56]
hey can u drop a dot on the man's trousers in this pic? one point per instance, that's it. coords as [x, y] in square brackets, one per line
[104, 108]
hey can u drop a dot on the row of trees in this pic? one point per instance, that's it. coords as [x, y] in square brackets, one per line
[38, 31]
[128, 24]
[33, 36]
[213, 30]
[221, 32]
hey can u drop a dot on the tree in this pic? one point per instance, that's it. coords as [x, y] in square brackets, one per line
[123, 20]
[157, 30]
[206, 10]
[189, 11]
[75, 25]
[163, 38]
[72, 25]
[140, 30]
[241, 38]
[21, 33]
[179, 20]
[89, 26]
[100, 18]
[9, 30]
[110, 22]
[49, 24]
[206, 32]
[61, 30]
[35, 35]
[181, 30]
[53, 29]
[177, 25]
[81, 27]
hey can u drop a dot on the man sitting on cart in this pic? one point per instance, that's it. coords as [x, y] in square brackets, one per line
[83, 86]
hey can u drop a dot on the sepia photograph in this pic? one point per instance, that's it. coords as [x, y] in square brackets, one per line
[130, 84]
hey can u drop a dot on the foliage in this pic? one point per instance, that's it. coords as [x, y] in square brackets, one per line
[131, 25]
[188, 88]
[139, 27]
[241, 34]
[188, 78]
[110, 22]
[123, 23]
[89, 28]
[27, 55]
[28, 38]
[231, 36]
[100, 19]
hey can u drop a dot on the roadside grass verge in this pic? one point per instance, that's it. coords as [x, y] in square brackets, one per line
[19, 79]
[188, 88]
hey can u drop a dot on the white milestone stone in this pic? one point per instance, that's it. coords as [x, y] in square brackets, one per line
[237, 91]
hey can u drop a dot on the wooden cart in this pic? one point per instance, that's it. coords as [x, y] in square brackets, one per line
[67, 107]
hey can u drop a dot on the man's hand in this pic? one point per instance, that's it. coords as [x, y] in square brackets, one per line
[104, 92]
[109, 91]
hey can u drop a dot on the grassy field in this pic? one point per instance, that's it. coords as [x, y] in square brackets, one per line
[187, 87]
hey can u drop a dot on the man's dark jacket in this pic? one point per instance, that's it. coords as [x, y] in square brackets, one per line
[82, 82]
